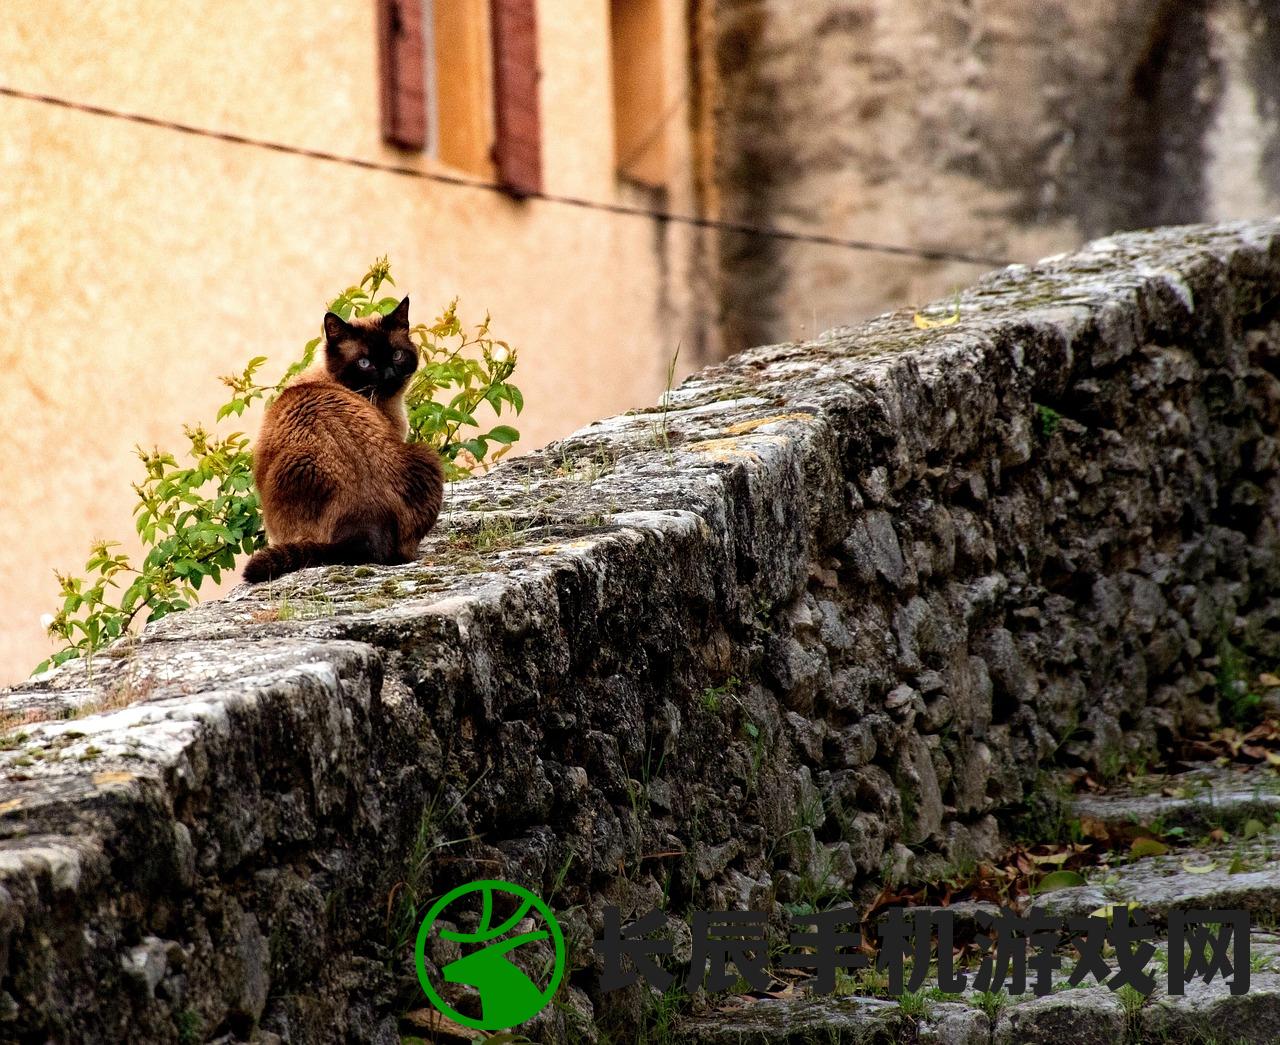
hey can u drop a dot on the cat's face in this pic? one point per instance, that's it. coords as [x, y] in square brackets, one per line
[372, 355]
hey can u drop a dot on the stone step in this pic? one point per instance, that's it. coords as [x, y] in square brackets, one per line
[771, 1021]
[1205, 1014]
[1238, 874]
[1164, 883]
[1198, 800]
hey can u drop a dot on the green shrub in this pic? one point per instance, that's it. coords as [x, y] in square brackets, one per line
[1239, 704]
[1048, 421]
[197, 516]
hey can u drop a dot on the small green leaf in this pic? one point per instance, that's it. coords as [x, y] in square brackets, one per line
[1059, 880]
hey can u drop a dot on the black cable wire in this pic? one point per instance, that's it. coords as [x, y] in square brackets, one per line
[717, 224]
[654, 132]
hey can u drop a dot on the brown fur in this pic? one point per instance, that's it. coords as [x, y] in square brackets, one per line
[338, 482]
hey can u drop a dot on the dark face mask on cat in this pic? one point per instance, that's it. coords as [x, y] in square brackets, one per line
[373, 357]
[383, 370]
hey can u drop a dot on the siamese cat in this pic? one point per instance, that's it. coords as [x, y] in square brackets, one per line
[338, 482]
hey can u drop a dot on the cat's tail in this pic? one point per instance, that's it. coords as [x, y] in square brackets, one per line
[278, 559]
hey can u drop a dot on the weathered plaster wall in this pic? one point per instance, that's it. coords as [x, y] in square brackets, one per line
[818, 621]
[1004, 127]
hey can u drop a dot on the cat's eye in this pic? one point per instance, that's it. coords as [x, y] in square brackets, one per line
[364, 364]
[399, 355]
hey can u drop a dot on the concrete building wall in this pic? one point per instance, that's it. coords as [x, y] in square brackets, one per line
[1006, 128]
[138, 263]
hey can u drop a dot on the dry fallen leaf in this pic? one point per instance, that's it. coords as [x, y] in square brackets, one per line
[1108, 911]
[116, 776]
[1147, 847]
[429, 1019]
[12, 804]
[1092, 827]
[929, 324]
[1052, 858]
[1191, 869]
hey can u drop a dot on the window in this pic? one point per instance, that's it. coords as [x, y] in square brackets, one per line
[460, 81]
[640, 118]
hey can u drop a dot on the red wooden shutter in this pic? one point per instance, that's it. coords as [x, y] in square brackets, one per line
[517, 148]
[402, 54]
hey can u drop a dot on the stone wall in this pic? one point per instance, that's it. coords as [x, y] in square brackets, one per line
[1007, 128]
[819, 620]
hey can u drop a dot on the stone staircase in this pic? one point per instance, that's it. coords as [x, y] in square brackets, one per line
[1203, 814]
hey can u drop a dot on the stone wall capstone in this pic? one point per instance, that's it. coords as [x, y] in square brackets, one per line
[821, 619]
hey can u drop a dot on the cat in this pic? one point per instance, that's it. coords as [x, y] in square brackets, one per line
[338, 482]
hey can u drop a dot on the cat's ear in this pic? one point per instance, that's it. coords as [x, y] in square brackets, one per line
[335, 326]
[398, 317]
